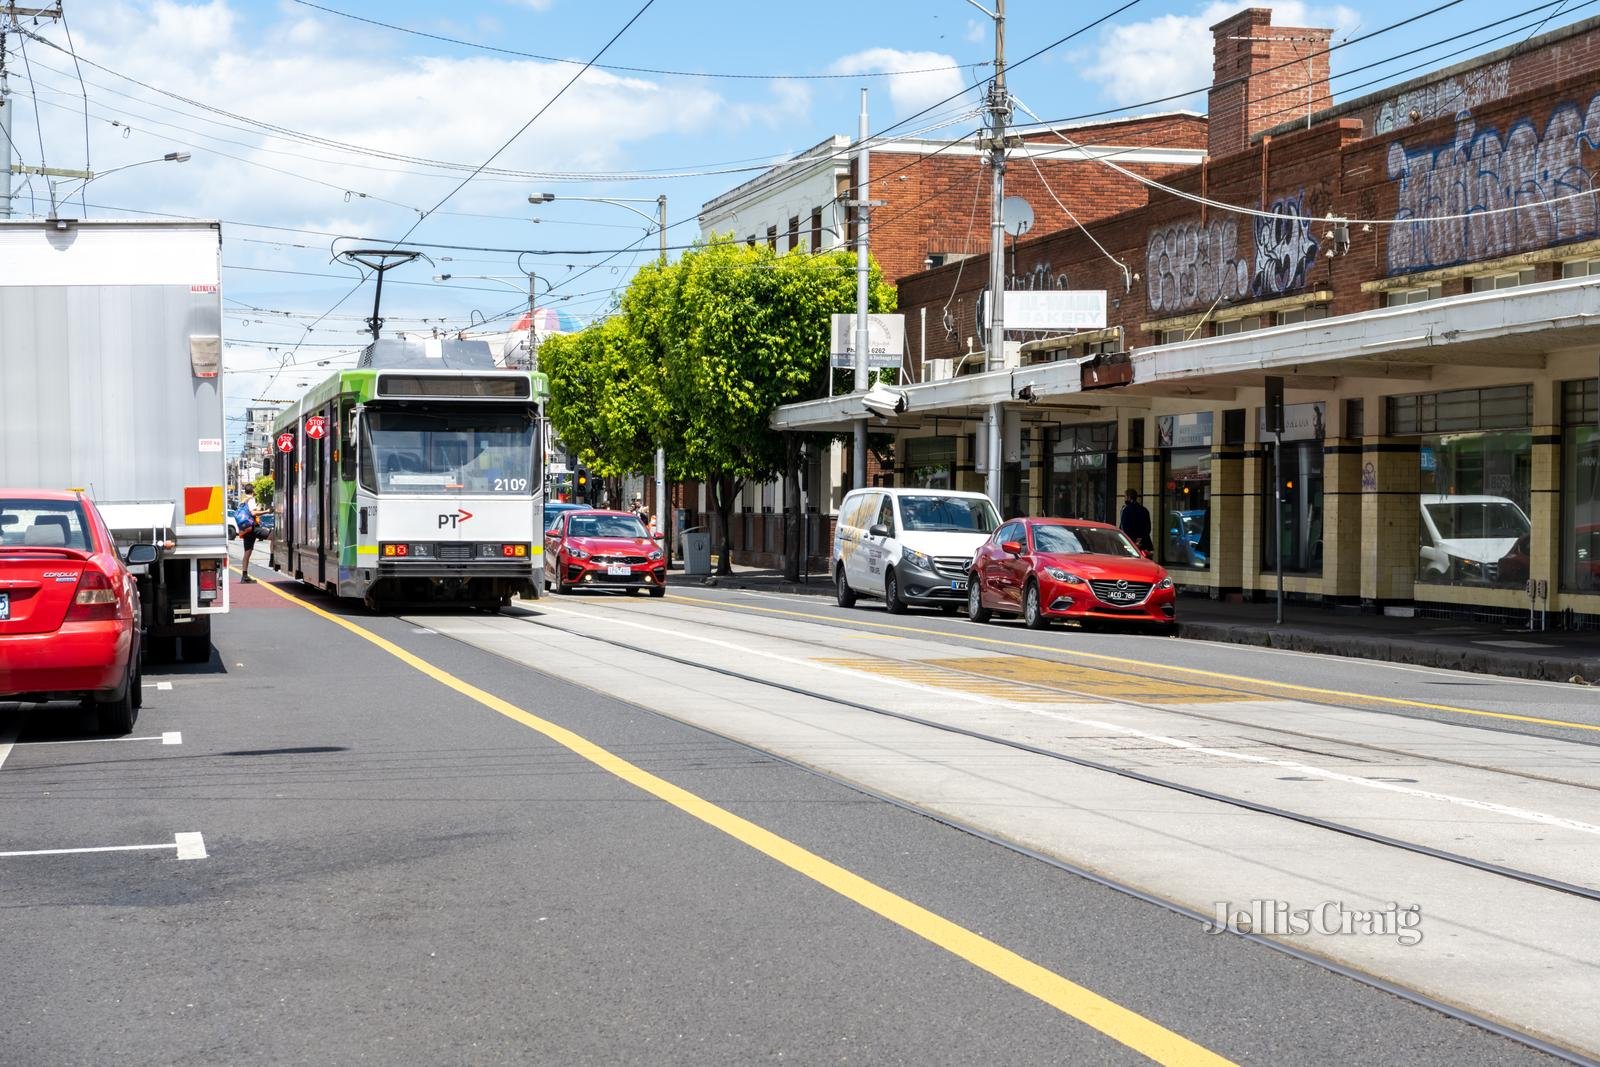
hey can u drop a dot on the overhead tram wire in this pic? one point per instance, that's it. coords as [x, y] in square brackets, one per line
[84, 91]
[630, 70]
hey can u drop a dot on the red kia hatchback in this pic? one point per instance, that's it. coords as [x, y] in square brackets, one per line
[603, 550]
[69, 608]
[1045, 569]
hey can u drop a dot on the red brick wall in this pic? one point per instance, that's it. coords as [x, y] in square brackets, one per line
[1260, 72]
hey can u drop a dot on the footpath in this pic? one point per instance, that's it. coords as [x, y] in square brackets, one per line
[1484, 648]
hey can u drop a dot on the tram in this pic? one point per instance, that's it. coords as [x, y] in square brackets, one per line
[416, 477]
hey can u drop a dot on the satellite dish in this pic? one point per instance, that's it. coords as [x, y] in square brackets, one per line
[1017, 215]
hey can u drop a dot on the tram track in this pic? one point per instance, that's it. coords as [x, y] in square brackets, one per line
[1448, 1009]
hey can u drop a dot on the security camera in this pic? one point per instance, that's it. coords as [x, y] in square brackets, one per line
[884, 402]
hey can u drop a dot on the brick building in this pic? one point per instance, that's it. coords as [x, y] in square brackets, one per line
[1439, 347]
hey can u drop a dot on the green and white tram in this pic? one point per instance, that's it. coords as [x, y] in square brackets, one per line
[416, 476]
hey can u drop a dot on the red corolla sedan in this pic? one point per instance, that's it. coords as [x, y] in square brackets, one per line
[603, 550]
[69, 608]
[1046, 569]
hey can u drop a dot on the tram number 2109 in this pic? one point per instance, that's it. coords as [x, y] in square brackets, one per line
[511, 485]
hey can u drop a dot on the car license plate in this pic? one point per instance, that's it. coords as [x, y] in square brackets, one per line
[619, 570]
[958, 584]
[5, 606]
[1123, 594]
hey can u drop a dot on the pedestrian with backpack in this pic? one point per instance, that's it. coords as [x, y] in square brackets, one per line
[245, 519]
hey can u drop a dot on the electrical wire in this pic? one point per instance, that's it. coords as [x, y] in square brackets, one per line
[630, 70]
[88, 166]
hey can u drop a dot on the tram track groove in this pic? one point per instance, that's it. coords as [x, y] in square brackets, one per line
[1448, 1009]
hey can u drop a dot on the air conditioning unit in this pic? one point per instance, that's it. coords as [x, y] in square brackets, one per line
[1011, 355]
[938, 370]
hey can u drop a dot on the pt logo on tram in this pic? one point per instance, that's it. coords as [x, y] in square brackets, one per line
[455, 518]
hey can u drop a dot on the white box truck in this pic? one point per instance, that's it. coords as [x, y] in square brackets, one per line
[111, 382]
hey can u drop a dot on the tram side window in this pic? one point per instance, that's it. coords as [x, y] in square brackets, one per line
[344, 443]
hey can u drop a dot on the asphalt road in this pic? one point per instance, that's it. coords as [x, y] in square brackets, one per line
[397, 872]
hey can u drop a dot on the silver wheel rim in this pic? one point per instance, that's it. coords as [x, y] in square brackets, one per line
[1031, 607]
[974, 603]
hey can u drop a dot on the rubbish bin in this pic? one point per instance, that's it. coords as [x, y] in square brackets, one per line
[696, 551]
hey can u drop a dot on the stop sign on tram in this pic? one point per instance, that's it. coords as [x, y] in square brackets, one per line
[286, 442]
[317, 427]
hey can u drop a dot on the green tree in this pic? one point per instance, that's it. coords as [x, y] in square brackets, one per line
[602, 397]
[265, 488]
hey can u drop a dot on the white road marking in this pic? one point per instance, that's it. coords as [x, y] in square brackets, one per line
[189, 846]
[172, 737]
[5, 746]
[158, 685]
[1160, 739]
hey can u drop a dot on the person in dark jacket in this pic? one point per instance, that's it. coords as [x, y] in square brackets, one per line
[1135, 521]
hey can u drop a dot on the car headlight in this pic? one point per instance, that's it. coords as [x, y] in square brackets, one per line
[577, 553]
[655, 554]
[1165, 583]
[917, 559]
[1063, 576]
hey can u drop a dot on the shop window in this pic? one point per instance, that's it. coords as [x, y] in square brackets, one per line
[1184, 529]
[930, 462]
[1474, 500]
[1580, 487]
[1488, 283]
[1503, 408]
[1580, 268]
[1401, 297]
[1243, 325]
[1305, 314]
[1080, 472]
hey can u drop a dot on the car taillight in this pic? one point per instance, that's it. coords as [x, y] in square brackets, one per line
[96, 599]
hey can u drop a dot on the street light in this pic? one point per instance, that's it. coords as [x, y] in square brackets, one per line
[88, 176]
[660, 222]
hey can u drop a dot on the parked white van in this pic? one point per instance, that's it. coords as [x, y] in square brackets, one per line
[909, 546]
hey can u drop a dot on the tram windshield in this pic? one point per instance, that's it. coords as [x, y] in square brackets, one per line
[436, 452]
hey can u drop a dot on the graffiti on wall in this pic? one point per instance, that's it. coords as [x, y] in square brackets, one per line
[1194, 264]
[1285, 249]
[1039, 277]
[1190, 265]
[1449, 97]
[1479, 174]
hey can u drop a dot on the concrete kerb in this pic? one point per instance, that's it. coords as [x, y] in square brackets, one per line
[1383, 649]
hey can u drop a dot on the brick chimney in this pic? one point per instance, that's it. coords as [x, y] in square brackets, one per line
[1263, 76]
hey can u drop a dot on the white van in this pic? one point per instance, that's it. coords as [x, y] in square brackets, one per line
[909, 546]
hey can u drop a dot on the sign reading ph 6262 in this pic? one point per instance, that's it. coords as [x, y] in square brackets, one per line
[286, 442]
[317, 427]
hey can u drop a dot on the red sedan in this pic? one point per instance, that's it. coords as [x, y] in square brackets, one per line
[1045, 569]
[603, 550]
[69, 608]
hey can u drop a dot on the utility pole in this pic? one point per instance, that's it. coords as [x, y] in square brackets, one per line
[663, 510]
[999, 116]
[863, 206]
[9, 14]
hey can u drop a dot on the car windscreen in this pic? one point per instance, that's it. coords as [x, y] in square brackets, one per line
[947, 514]
[605, 526]
[434, 452]
[26, 523]
[1072, 540]
[1480, 518]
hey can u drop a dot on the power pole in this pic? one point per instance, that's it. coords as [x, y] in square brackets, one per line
[863, 205]
[999, 116]
[663, 511]
[9, 14]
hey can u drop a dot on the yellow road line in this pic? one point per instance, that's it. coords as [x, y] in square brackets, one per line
[1395, 701]
[1121, 1024]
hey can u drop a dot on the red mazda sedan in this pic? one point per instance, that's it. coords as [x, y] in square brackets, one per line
[1045, 569]
[69, 608]
[603, 550]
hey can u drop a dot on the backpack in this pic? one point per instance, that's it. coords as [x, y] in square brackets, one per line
[244, 519]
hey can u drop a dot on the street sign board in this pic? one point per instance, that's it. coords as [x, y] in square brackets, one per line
[286, 442]
[317, 427]
[1052, 309]
[886, 341]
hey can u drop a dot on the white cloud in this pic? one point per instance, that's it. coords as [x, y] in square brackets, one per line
[1170, 54]
[908, 93]
[977, 31]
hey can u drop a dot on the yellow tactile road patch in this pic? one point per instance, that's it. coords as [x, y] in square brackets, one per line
[1034, 681]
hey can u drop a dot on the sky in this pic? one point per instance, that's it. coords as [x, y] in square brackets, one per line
[305, 126]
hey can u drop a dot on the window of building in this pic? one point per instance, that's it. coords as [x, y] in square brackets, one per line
[1080, 470]
[1225, 327]
[930, 462]
[1485, 283]
[794, 231]
[932, 260]
[750, 241]
[1355, 417]
[816, 229]
[1580, 486]
[1401, 297]
[1504, 407]
[1183, 524]
[1297, 533]
[1172, 337]
[1305, 314]
[1580, 268]
[772, 238]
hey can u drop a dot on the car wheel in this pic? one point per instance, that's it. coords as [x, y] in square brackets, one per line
[842, 591]
[1032, 612]
[561, 587]
[975, 609]
[117, 716]
[891, 595]
[658, 591]
[138, 685]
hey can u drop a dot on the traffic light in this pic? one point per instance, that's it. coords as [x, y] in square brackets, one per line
[580, 485]
[582, 479]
